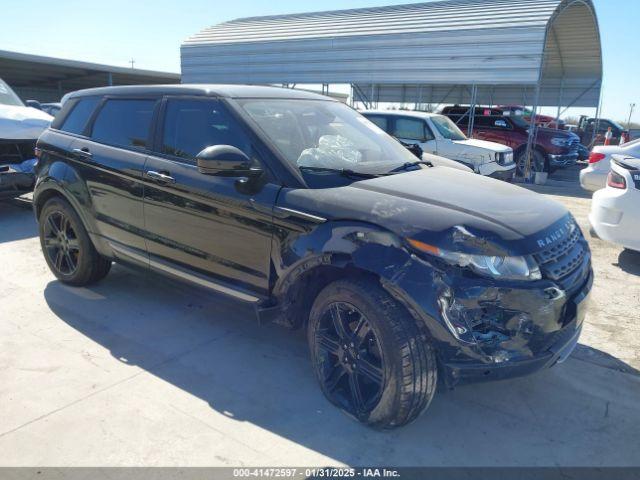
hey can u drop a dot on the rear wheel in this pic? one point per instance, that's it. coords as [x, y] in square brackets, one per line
[67, 247]
[369, 355]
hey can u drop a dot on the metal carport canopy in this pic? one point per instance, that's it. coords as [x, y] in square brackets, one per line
[48, 79]
[424, 52]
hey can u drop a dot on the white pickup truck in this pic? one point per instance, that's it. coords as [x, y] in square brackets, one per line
[20, 127]
[438, 135]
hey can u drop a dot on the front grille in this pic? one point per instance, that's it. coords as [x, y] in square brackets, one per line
[573, 145]
[566, 260]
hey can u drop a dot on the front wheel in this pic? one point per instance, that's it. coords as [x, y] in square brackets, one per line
[369, 355]
[538, 163]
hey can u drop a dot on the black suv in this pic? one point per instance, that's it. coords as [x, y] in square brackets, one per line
[400, 272]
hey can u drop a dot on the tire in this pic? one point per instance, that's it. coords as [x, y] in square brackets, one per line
[390, 361]
[66, 246]
[538, 163]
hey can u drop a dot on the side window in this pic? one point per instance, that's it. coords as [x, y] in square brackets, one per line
[382, 122]
[76, 120]
[124, 122]
[410, 129]
[191, 125]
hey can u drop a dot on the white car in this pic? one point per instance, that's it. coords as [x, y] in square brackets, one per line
[20, 127]
[615, 216]
[594, 176]
[438, 135]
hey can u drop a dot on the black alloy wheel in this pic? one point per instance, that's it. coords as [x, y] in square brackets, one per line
[61, 243]
[67, 247]
[353, 364]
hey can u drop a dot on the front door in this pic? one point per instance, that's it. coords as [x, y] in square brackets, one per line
[415, 131]
[215, 226]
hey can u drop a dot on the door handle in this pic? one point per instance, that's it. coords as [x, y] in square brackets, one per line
[83, 153]
[160, 177]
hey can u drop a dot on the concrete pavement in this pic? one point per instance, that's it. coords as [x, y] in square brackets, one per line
[140, 370]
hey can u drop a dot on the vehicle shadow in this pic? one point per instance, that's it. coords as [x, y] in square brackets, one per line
[16, 220]
[575, 414]
[629, 261]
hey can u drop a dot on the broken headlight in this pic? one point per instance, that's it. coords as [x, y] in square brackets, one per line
[505, 268]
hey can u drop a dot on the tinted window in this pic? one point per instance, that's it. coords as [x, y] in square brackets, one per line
[192, 125]
[410, 129]
[77, 119]
[381, 122]
[124, 122]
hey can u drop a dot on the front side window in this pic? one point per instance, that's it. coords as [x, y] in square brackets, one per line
[8, 96]
[191, 125]
[447, 128]
[316, 134]
[381, 122]
[410, 129]
[124, 122]
[76, 120]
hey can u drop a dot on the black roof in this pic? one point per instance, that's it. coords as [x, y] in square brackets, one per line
[228, 91]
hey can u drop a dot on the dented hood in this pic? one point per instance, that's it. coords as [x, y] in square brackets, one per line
[428, 204]
[22, 123]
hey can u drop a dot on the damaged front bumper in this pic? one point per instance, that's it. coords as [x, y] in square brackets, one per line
[489, 330]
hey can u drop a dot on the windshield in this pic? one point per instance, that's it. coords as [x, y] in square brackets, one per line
[8, 97]
[447, 128]
[326, 135]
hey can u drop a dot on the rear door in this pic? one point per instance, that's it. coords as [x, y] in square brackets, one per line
[111, 156]
[206, 228]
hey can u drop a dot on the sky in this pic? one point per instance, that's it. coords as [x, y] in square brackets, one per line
[150, 32]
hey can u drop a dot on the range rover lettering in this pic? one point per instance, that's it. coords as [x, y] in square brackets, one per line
[405, 276]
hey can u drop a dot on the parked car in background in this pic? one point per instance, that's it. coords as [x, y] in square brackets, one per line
[594, 176]
[434, 160]
[586, 128]
[51, 108]
[615, 215]
[20, 127]
[553, 149]
[401, 274]
[438, 135]
[526, 113]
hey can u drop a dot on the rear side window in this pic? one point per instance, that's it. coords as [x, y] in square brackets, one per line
[76, 120]
[381, 122]
[124, 122]
[191, 125]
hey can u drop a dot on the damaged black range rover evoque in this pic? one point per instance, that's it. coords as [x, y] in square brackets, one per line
[401, 273]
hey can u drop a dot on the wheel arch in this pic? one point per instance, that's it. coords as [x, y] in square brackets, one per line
[368, 251]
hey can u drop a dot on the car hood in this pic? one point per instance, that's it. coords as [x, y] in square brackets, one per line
[483, 144]
[22, 123]
[432, 204]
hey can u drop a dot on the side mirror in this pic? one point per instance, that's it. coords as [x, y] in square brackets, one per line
[225, 160]
[34, 104]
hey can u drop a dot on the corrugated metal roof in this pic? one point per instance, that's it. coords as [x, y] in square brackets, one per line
[458, 42]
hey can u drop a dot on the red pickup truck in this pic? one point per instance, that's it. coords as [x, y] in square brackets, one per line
[553, 148]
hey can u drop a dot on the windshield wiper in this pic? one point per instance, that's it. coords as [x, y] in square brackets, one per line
[409, 165]
[344, 172]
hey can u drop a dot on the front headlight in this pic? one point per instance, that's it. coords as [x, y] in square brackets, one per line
[505, 268]
[561, 141]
